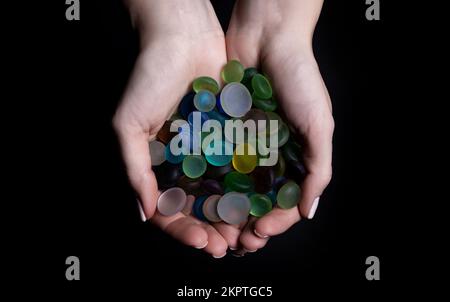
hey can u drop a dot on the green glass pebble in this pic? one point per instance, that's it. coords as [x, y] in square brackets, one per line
[194, 166]
[261, 87]
[260, 205]
[272, 116]
[205, 83]
[232, 72]
[238, 182]
[289, 195]
[283, 135]
[280, 167]
[266, 105]
[248, 75]
[291, 151]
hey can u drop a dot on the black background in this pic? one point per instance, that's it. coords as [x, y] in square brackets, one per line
[88, 209]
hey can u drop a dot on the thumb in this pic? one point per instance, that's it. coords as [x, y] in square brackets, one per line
[136, 155]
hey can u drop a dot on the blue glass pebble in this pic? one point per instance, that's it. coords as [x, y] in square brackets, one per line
[204, 117]
[205, 101]
[197, 208]
[214, 115]
[187, 105]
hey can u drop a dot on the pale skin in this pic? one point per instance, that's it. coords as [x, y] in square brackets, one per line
[181, 40]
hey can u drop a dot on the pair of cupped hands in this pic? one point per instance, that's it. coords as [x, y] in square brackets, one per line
[181, 40]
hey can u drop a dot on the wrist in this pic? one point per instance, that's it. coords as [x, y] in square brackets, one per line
[264, 21]
[173, 18]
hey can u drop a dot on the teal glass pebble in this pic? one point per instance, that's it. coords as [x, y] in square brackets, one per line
[261, 87]
[238, 182]
[215, 115]
[221, 158]
[233, 71]
[205, 83]
[172, 158]
[194, 166]
[235, 100]
[260, 205]
[204, 101]
[265, 105]
[289, 195]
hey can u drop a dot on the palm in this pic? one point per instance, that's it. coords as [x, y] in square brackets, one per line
[304, 100]
[161, 77]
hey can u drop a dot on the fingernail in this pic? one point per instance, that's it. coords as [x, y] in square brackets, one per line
[201, 247]
[238, 255]
[141, 210]
[313, 209]
[250, 251]
[218, 257]
[233, 248]
[260, 235]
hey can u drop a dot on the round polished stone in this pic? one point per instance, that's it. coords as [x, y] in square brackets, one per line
[245, 158]
[291, 151]
[157, 152]
[205, 101]
[210, 208]
[212, 186]
[260, 205]
[194, 166]
[280, 167]
[279, 182]
[205, 83]
[174, 158]
[296, 170]
[263, 179]
[167, 175]
[171, 201]
[265, 105]
[187, 105]
[235, 100]
[190, 185]
[197, 208]
[215, 115]
[233, 71]
[289, 195]
[272, 116]
[233, 208]
[248, 74]
[239, 182]
[222, 157]
[195, 114]
[218, 172]
[283, 135]
[273, 196]
[164, 134]
[261, 87]
[260, 119]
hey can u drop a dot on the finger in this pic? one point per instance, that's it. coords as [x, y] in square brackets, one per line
[136, 155]
[186, 229]
[189, 203]
[243, 48]
[317, 157]
[217, 245]
[230, 233]
[249, 240]
[276, 222]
